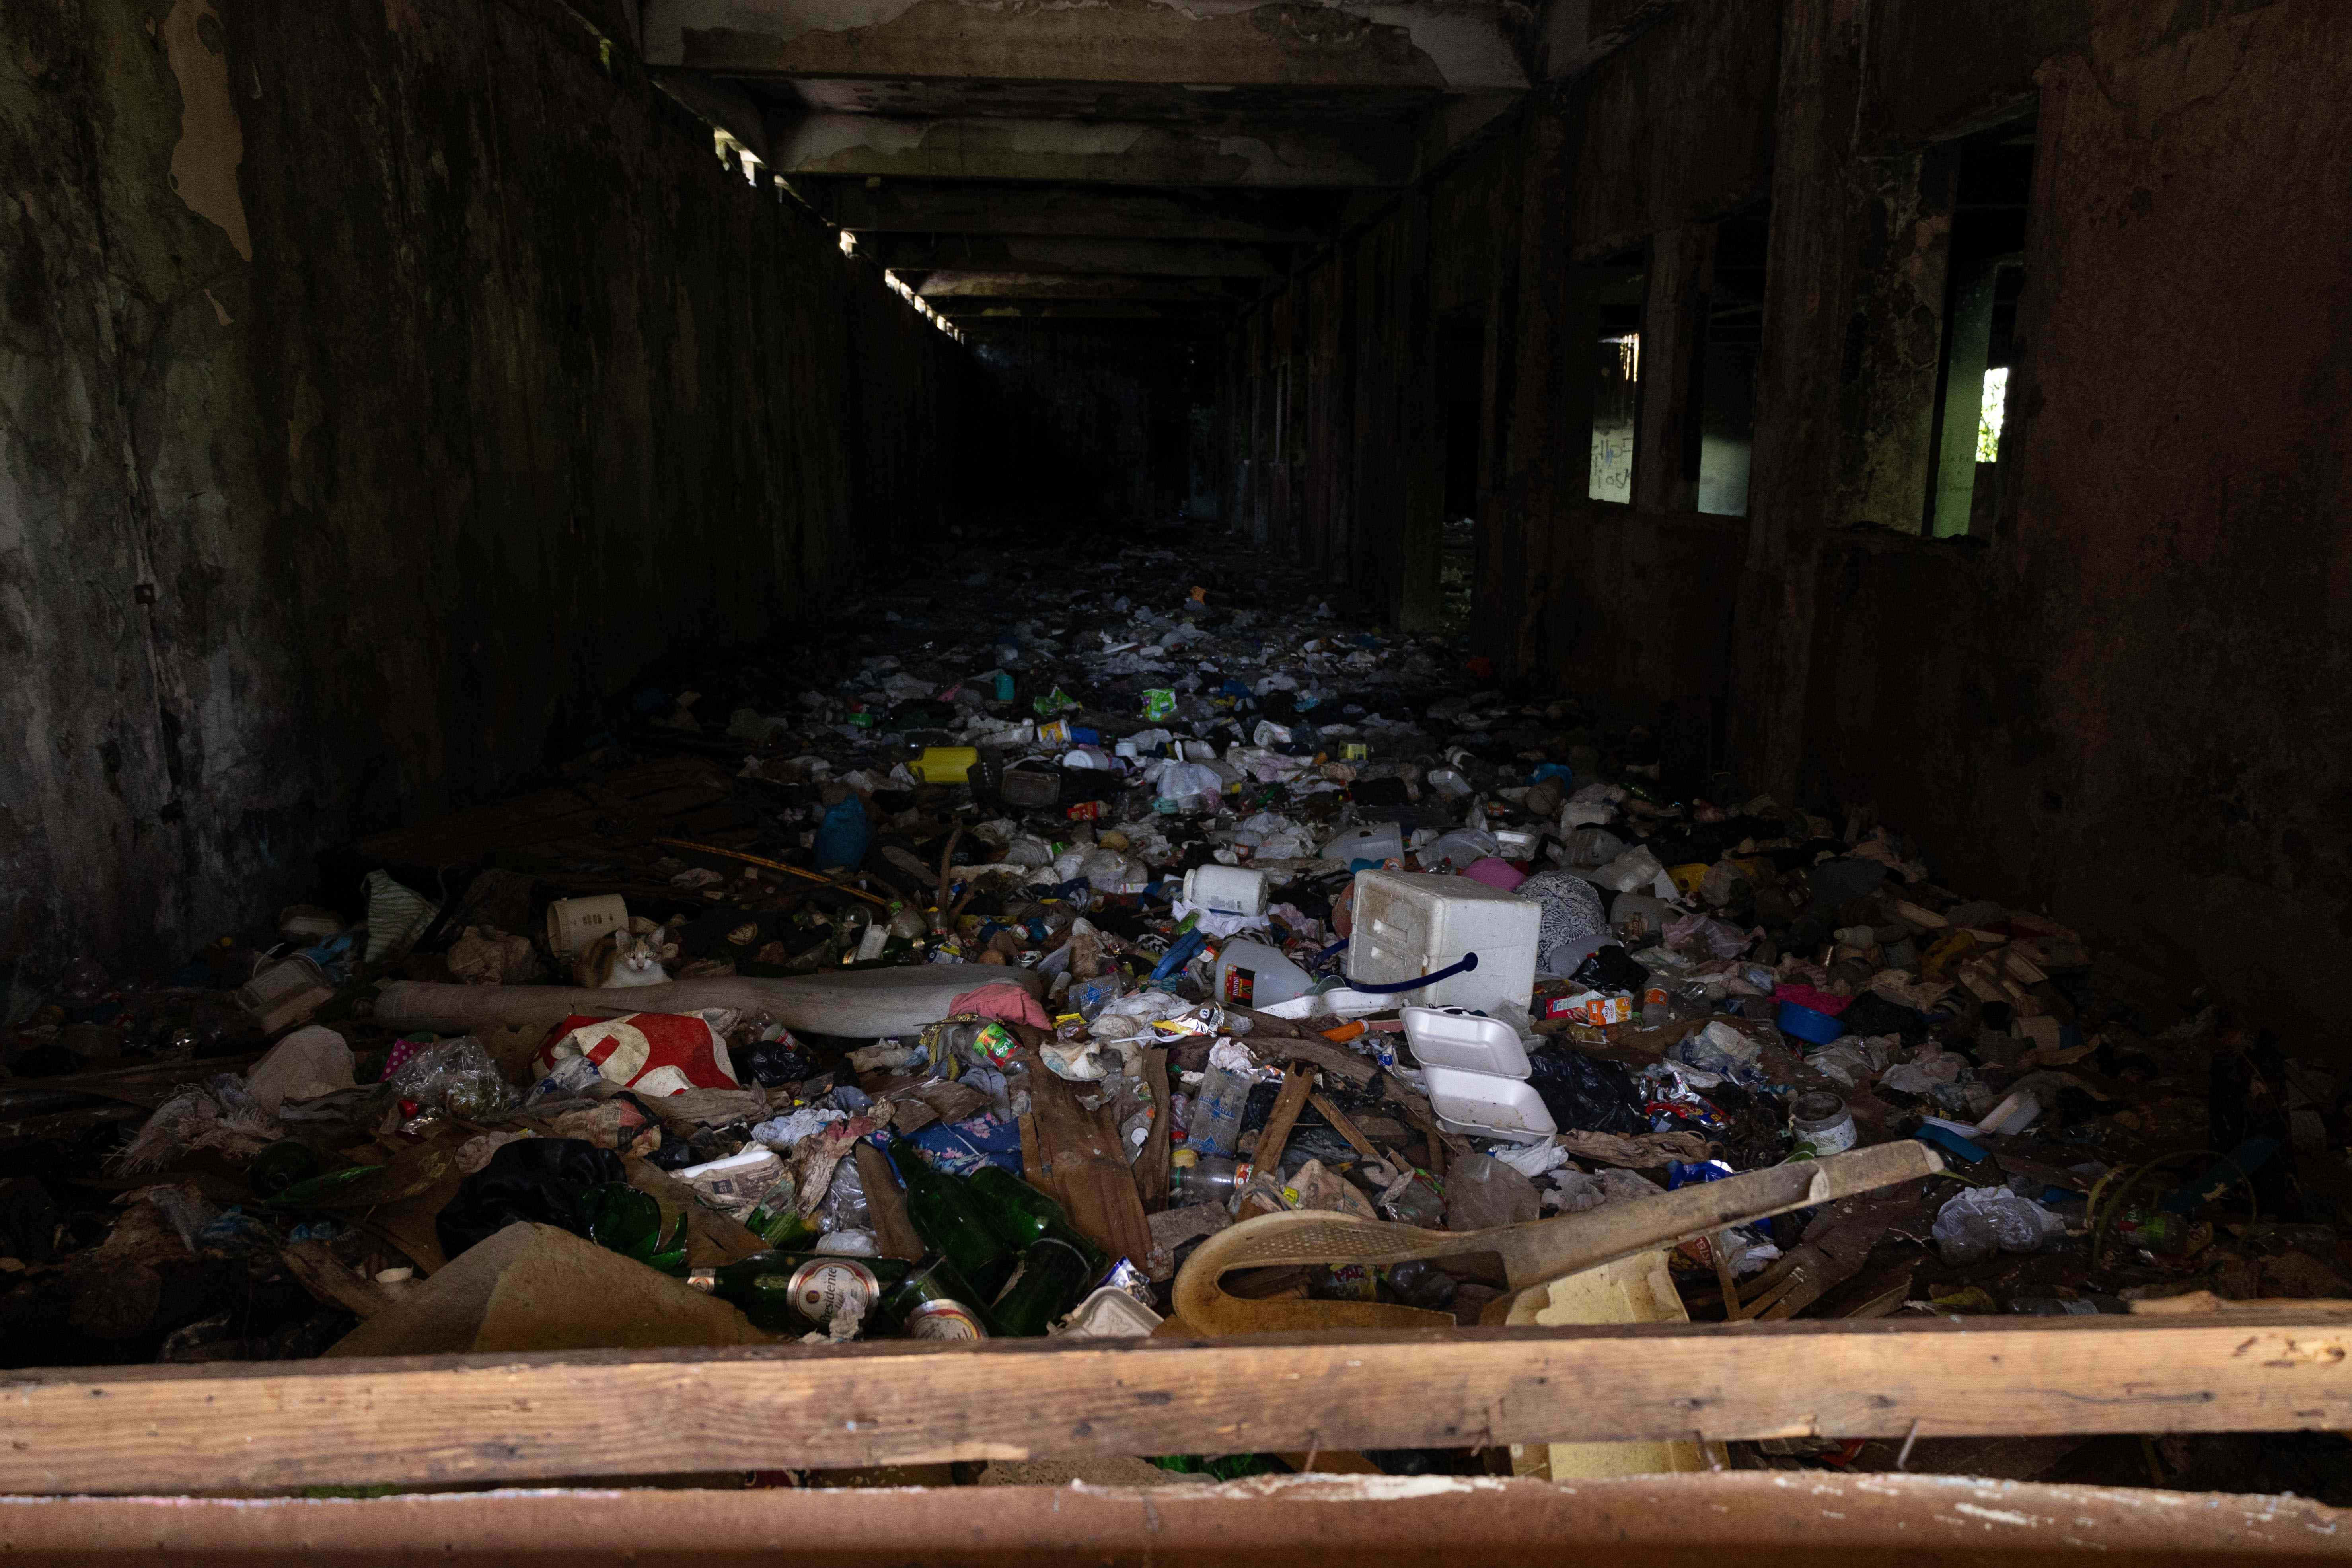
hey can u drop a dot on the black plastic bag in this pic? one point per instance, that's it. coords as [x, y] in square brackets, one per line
[1871, 1014]
[543, 1180]
[1611, 968]
[1585, 1094]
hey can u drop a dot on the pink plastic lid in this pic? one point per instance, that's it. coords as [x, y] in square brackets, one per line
[1500, 875]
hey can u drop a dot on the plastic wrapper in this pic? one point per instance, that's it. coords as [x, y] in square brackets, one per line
[843, 1208]
[1982, 1221]
[456, 1076]
[1721, 1049]
[1482, 1192]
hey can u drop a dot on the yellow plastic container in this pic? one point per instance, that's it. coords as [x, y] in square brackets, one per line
[1636, 1289]
[944, 765]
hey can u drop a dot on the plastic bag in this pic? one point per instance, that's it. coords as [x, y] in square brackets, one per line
[1722, 1049]
[843, 1208]
[1482, 1192]
[653, 1053]
[1634, 870]
[538, 1181]
[1984, 1220]
[454, 1076]
[1192, 786]
[1585, 1094]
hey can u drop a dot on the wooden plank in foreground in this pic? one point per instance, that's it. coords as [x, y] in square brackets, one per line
[1753, 1519]
[483, 1418]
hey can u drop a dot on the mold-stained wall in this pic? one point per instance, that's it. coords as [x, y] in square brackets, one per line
[2119, 703]
[380, 384]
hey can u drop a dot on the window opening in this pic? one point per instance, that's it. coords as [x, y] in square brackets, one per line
[1993, 184]
[1617, 382]
[1726, 395]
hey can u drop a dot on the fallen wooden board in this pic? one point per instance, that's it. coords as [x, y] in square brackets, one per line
[1753, 1519]
[1082, 1164]
[491, 1418]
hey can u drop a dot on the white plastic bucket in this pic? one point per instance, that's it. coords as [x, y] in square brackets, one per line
[574, 924]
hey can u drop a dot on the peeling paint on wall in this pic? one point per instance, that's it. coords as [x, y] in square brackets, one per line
[212, 142]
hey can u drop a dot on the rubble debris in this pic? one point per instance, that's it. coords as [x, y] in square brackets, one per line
[1019, 946]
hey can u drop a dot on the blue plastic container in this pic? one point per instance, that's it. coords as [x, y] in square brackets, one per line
[1808, 1024]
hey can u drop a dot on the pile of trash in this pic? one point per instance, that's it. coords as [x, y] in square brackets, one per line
[961, 976]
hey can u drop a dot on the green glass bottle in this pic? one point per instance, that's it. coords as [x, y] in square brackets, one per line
[1047, 1285]
[951, 1221]
[804, 1292]
[1021, 1215]
[935, 1301]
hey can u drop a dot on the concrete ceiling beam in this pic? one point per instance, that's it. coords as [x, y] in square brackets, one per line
[1066, 151]
[1448, 45]
[1024, 253]
[937, 207]
[943, 286]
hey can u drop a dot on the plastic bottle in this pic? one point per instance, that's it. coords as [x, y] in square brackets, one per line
[1216, 1126]
[1253, 974]
[1196, 1178]
[843, 837]
[1226, 889]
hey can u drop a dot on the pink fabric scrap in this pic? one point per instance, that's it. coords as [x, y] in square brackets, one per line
[1827, 1002]
[1003, 1001]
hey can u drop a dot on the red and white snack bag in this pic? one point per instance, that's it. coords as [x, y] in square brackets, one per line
[652, 1053]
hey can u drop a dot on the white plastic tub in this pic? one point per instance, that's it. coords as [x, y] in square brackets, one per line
[1408, 925]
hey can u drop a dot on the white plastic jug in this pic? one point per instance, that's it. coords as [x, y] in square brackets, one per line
[1380, 842]
[1226, 889]
[1253, 974]
[574, 924]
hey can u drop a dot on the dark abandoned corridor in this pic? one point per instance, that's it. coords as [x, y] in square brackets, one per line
[1838, 504]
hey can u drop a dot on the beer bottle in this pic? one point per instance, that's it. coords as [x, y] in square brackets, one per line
[1020, 1215]
[802, 1292]
[1047, 1285]
[949, 1221]
[934, 1302]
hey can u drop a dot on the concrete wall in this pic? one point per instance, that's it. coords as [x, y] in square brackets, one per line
[381, 382]
[2120, 703]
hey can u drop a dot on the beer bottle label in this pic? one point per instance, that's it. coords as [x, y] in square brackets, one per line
[825, 1288]
[944, 1319]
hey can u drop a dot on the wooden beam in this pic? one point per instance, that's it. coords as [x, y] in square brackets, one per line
[1754, 1519]
[594, 1412]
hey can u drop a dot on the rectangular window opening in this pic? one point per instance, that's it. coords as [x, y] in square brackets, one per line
[1733, 324]
[1986, 278]
[1620, 293]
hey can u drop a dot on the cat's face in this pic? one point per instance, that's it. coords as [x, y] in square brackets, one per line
[631, 951]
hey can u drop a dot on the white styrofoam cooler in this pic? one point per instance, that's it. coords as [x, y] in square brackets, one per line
[1475, 1071]
[1409, 924]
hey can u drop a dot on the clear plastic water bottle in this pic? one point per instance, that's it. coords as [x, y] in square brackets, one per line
[1215, 1125]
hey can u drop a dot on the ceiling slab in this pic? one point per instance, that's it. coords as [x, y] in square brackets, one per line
[1071, 150]
[955, 206]
[1434, 44]
[1066, 254]
[939, 287]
